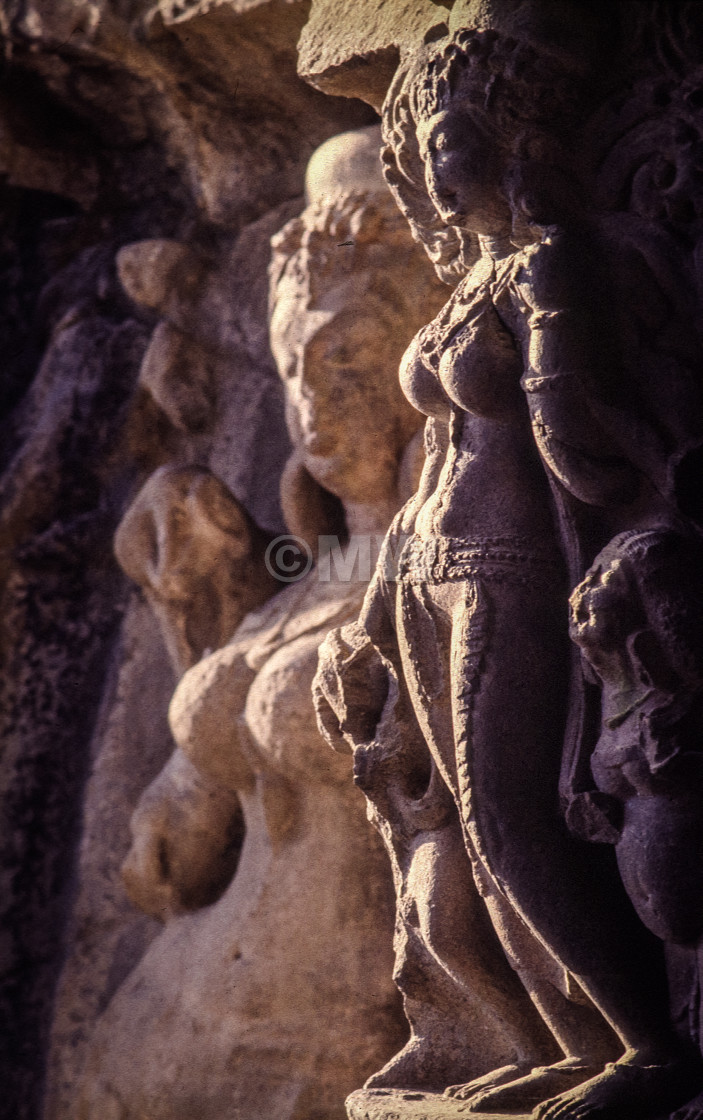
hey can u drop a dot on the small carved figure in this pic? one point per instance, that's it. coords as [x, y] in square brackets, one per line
[277, 998]
[197, 555]
[638, 620]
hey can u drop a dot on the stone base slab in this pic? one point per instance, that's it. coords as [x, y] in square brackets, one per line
[404, 1104]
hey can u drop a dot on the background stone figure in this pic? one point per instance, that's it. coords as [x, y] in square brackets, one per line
[481, 129]
[275, 999]
[132, 740]
[121, 121]
[199, 558]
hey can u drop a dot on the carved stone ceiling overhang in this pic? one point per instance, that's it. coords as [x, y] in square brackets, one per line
[213, 83]
[354, 49]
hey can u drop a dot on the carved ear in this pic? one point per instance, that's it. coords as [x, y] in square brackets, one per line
[309, 510]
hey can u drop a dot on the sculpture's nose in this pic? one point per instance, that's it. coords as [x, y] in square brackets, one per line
[444, 184]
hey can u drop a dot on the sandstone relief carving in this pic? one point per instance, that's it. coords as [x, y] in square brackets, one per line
[637, 619]
[217, 302]
[121, 120]
[559, 418]
[278, 997]
[207, 370]
[199, 558]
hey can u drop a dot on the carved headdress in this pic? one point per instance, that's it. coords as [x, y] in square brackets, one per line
[520, 71]
[351, 225]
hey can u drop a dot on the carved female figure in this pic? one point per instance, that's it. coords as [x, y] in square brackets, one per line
[277, 998]
[510, 374]
[637, 619]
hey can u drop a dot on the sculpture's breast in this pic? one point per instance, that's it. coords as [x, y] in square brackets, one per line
[481, 361]
[481, 371]
[419, 381]
[279, 714]
[470, 355]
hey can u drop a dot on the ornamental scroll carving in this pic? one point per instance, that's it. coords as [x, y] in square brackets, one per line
[546, 157]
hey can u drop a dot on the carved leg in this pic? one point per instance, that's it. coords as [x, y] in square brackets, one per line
[584, 1037]
[445, 894]
[509, 724]
[446, 951]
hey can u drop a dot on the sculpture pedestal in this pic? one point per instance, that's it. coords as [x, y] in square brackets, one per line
[406, 1104]
[409, 1104]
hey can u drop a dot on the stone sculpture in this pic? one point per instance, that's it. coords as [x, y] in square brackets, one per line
[199, 558]
[277, 998]
[207, 372]
[637, 619]
[533, 463]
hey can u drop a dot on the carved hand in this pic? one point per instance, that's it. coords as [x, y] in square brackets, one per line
[350, 688]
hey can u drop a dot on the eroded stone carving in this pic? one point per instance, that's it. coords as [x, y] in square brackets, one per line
[539, 383]
[277, 998]
[199, 559]
[637, 619]
[198, 556]
[207, 372]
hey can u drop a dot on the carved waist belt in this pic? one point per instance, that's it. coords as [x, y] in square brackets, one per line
[514, 560]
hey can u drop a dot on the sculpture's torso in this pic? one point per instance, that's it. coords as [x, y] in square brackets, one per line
[465, 367]
[299, 945]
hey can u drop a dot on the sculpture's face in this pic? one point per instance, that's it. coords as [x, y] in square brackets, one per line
[463, 172]
[338, 362]
[601, 611]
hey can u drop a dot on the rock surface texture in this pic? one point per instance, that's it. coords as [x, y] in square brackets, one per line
[196, 918]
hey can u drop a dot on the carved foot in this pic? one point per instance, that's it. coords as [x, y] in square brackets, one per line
[626, 1090]
[523, 1093]
[410, 1068]
[418, 1066]
[501, 1076]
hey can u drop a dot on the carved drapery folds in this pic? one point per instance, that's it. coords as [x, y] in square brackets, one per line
[545, 156]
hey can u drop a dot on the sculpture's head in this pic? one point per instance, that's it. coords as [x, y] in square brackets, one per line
[479, 125]
[638, 619]
[348, 291]
[460, 143]
[197, 555]
[642, 599]
[603, 607]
